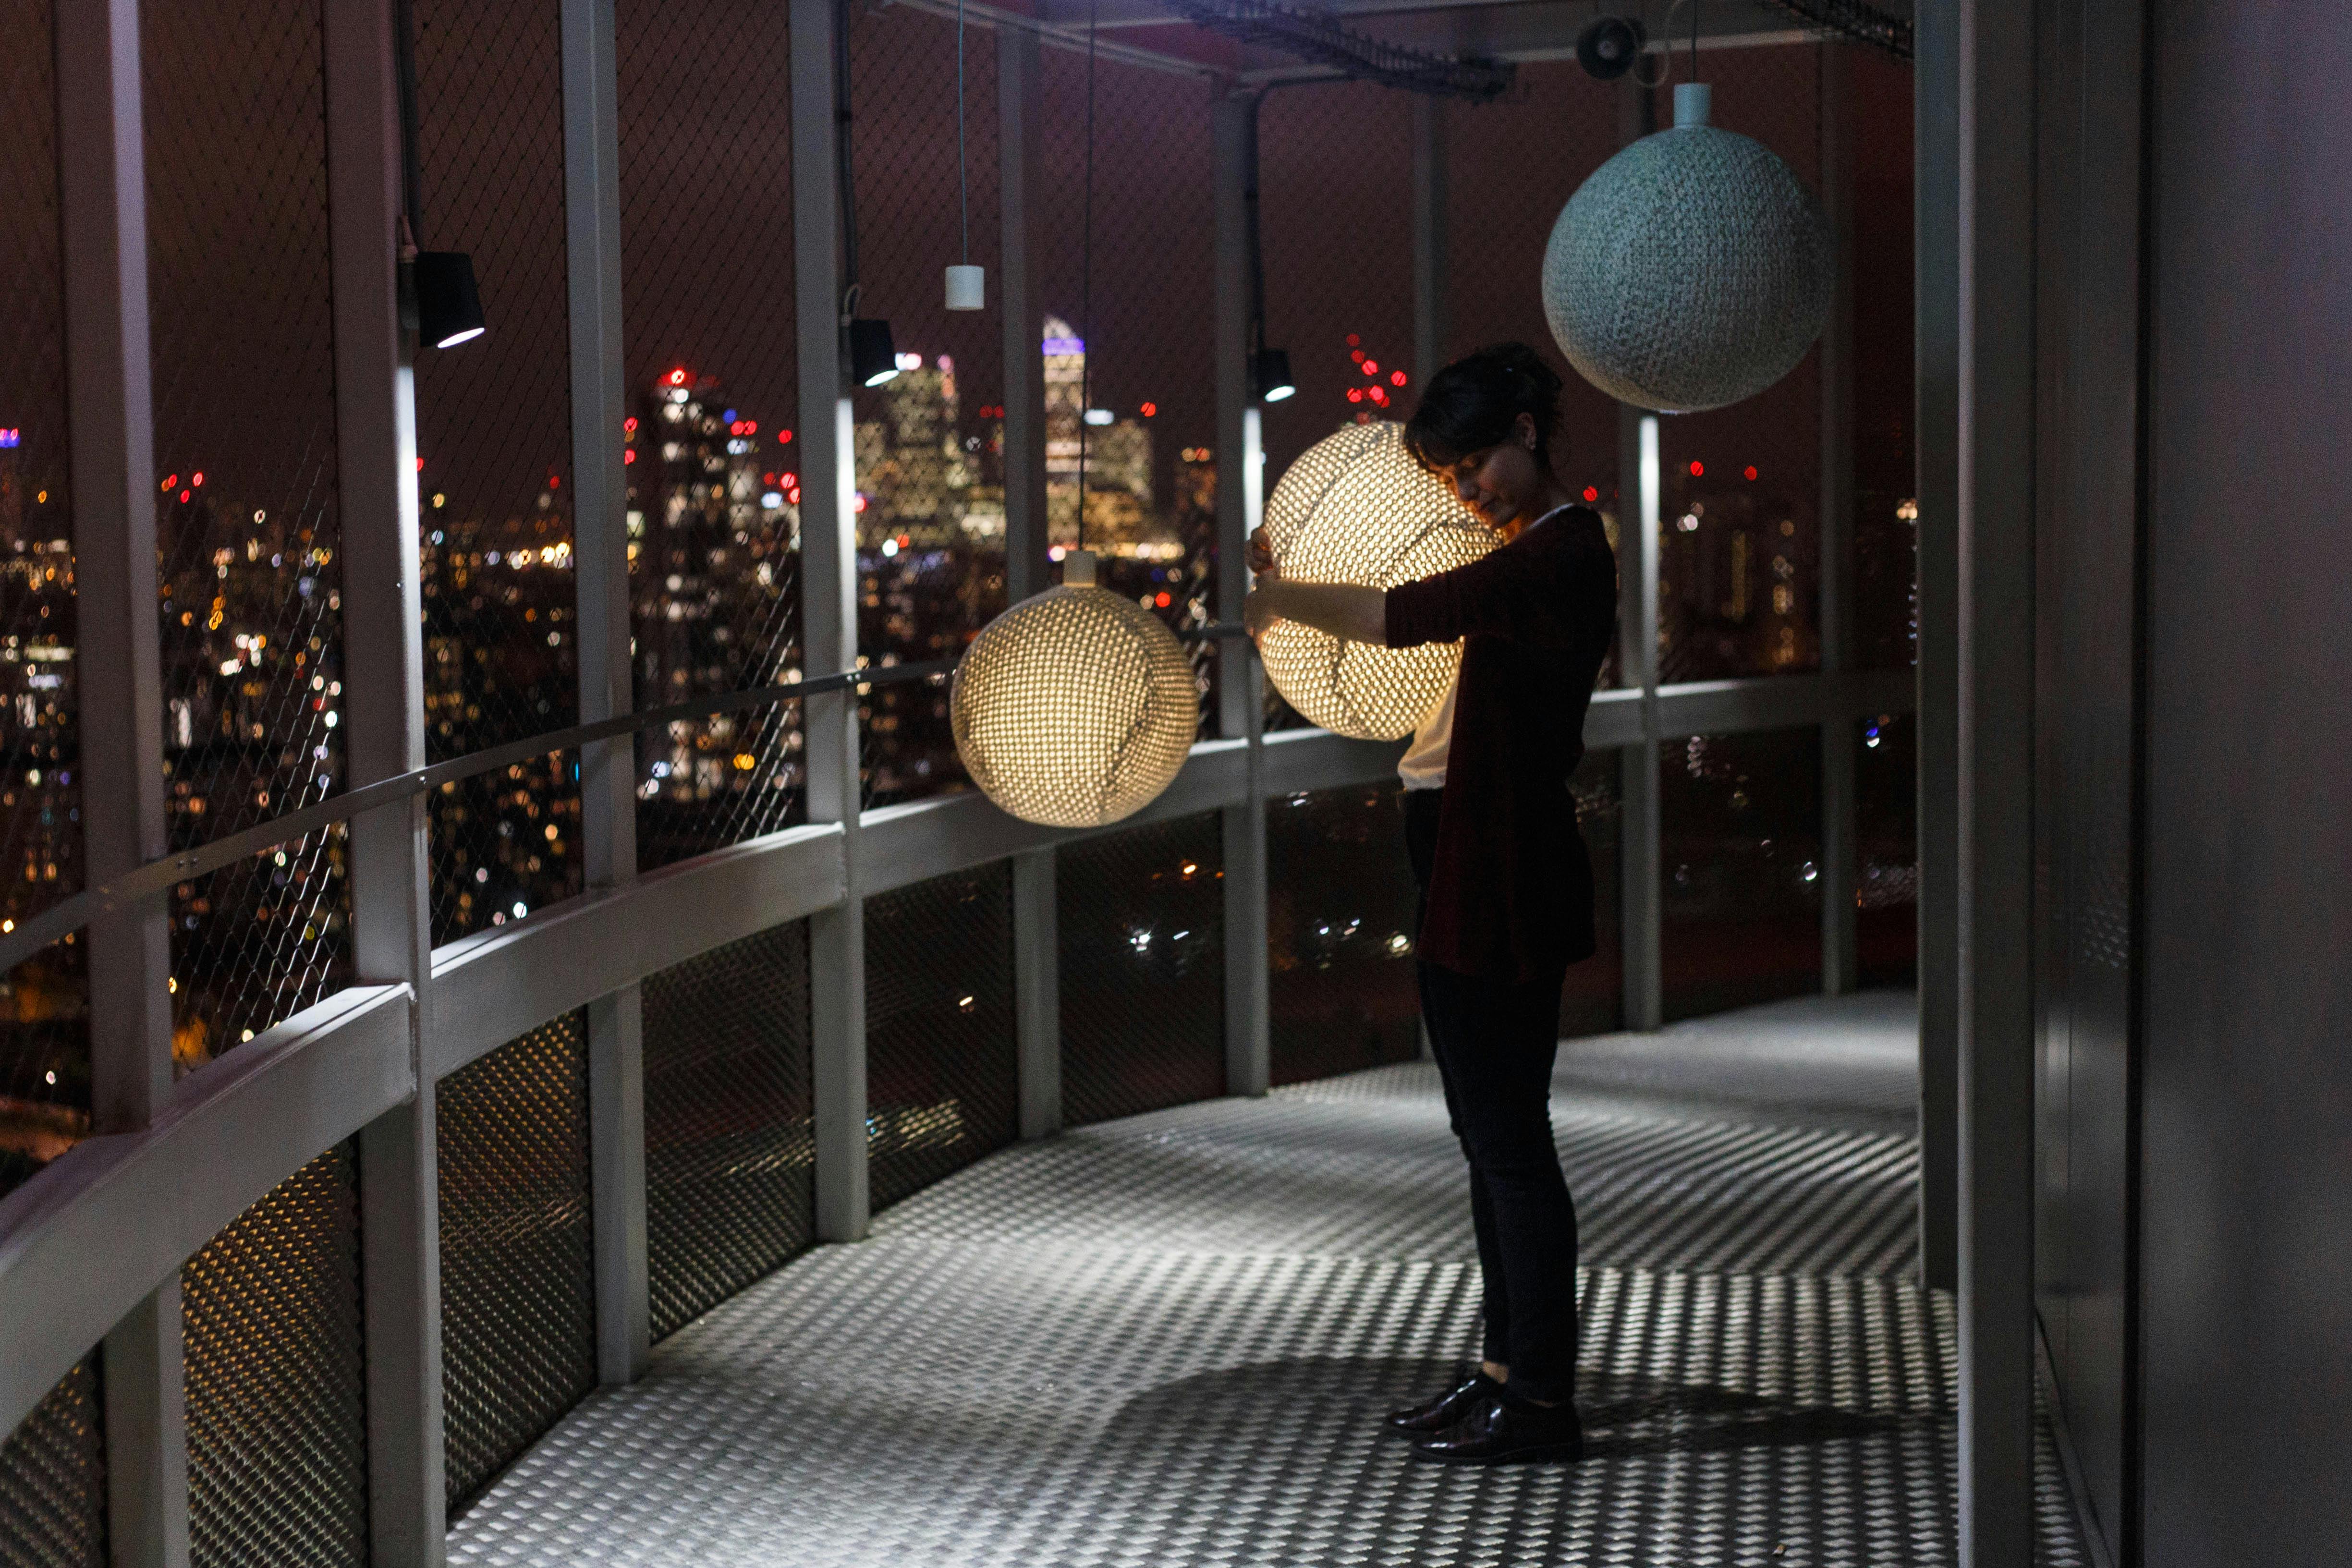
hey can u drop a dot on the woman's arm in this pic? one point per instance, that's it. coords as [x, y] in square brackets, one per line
[1342, 609]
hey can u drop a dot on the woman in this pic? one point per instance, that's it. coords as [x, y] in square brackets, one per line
[1506, 885]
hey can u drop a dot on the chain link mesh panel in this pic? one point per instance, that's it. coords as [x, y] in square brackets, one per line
[247, 525]
[1741, 844]
[53, 1478]
[1555, 126]
[709, 440]
[730, 1156]
[1342, 923]
[1335, 218]
[1886, 845]
[276, 1378]
[1592, 1001]
[942, 1073]
[1886, 456]
[44, 1002]
[504, 842]
[1144, 357]
[518, 1291]
[1141, 919]
[493, 435]
[928, 445]
[1739, 507]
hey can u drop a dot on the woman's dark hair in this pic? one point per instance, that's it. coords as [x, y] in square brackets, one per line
[1476, 403]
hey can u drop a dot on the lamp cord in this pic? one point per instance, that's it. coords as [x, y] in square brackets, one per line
[1694, 39]
[1086, 281]
[963, 179]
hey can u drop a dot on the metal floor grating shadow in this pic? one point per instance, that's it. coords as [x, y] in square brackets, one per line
[1167, 1341]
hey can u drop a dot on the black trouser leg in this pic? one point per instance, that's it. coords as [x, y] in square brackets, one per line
[1495, 1043]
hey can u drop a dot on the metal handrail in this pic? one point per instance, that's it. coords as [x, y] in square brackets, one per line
[30, 934]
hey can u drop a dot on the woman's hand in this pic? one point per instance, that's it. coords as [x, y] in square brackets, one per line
[1261, 553]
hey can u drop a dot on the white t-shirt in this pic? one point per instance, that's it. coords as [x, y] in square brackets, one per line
[1423, 766]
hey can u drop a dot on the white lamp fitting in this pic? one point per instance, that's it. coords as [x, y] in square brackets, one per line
[1694, 101]
[967, 287]
[1078, 568]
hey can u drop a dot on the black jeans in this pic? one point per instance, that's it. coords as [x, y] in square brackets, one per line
[1495, 1042]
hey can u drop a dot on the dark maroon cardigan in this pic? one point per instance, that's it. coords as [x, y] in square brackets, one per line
[1511, 894]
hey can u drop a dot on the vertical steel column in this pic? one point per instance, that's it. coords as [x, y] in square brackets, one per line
[1640, 880]
[1429, 280]
[1232, 129]
[591, 208]
[1643, 885]
[1996, 640]
[1937, 175]
[103, 190]
[829, 633]
[1838, 742]
[1036, 933]
[383, 710]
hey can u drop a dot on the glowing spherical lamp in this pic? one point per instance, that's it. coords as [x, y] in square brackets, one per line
[1073, 708]
[1357, 509]
[1692, 270]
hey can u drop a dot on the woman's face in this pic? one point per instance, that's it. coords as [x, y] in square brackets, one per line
[1500, 484]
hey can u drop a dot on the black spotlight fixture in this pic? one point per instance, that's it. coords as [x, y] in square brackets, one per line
[1609, 45]
[873, 357]
[448, 301]
[1270, 371]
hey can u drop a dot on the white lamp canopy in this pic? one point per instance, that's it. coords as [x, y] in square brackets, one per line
[1692, 270]
[1075, 708]
[1357, 509]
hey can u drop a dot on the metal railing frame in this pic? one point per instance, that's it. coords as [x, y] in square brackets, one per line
[90, 1248]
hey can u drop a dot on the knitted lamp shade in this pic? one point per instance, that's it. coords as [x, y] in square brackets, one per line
[1356, 507]
[1073, 708]
[1692, 270]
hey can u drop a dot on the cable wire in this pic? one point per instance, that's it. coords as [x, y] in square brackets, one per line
[1087, 282]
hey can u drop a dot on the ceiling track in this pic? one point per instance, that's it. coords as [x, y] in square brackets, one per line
[1352, 54]
[1855, 20]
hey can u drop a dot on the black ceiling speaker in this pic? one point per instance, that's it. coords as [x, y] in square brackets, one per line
[1608, 48]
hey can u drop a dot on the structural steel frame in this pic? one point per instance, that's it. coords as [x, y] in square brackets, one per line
[91, 1248]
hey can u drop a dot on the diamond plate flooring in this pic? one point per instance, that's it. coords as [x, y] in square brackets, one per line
[1166, 1341]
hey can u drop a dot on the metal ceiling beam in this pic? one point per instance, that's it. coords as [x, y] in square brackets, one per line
[1853, 19]
[1352, 54]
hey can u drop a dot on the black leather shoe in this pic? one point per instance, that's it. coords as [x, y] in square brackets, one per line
[1427, 1420]
[1499, 1431]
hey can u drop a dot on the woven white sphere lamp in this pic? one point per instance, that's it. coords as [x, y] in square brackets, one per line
[1073, 708]
[1357, 509]
[1692, 270]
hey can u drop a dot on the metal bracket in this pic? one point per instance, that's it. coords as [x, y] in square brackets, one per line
[1353, 54]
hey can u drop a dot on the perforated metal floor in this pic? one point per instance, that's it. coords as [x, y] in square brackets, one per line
[1167, 1341]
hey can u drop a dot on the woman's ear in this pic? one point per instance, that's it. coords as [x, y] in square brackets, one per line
[1527, 431]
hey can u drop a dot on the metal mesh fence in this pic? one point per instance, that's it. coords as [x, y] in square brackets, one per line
[1342, 923]
[1335, 219]
[1739, 507]
[248, 526]
[1887, 846]
[1740, 845]
[941, 1066]
[493, 429]
[1556, 125]
[44, 1003]
[53, 1478]
[1141, 922]
[518, 1293]
[504, 842]
[1139, 351]
[930, 443]
[276, 1378]
[730, 1150]
[709, 438]
[1592, 1001]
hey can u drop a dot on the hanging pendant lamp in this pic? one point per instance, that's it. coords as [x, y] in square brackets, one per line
[1357, 509]
[1076, 708]
[1692, 270]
